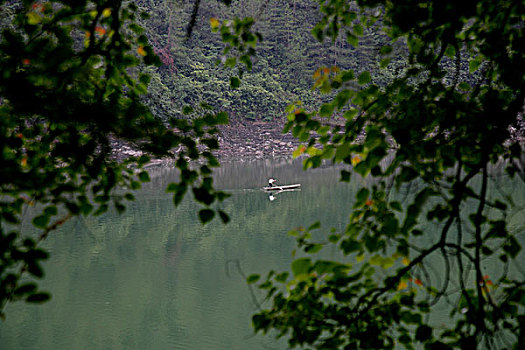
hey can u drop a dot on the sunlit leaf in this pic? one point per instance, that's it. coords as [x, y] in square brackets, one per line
[33, 18]
[100, 30]
[301, 266]
[402, 285]
[141, 51]
[106, 12]
[214, 23]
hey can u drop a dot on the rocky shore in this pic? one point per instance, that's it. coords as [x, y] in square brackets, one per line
[255, 140]
[250, 140]
[239, 140]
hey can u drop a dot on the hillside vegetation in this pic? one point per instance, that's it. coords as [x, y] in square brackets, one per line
[283, 69]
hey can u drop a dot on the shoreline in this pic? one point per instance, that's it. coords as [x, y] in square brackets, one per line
[239, 140]
[248, 140]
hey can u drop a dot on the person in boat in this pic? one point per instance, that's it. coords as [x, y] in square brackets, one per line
[271, 181]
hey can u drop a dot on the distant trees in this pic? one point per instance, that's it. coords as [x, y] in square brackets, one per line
[282, 69]
[437, 123]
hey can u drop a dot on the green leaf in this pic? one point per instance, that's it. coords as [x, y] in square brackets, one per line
[352, 39]
[350, 114]
[405, 339]
[247, 61]
[144, 176]
[222, 118]
[25, 289]
[384, 62]
[282, 277]
[143, 159]
[231, 62]
[450, 52]
[376, 260]
[50, 211]
[187, 110]
[512, 247]
[206, 215]
[252, 279]
[326, 110]
[313, 248]
[396, 206]
[301, 266]
[474, 63]
[41, 221]
[357, 29]
[342, 152]
[86, 208]
[345, 176]
[35, 269]
[350, 246]
[347, 75]
[260, 322]
[33, 18]
[385, 50]
[364, 78]
[235, 82]
[361, 197]
[38, 298]
[120, 207]
[203, 195]
[224, 217]
[410, 317]
[314, 226]
[423, 333]
[334, 238]
[464, 86]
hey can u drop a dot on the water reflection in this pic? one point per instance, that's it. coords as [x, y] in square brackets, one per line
[155, 278]
[272, 195]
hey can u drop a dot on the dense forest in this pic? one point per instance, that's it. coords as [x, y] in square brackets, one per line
[283, 68]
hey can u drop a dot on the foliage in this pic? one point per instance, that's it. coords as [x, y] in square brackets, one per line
[438, 127]
[69, 89]
[282, 69]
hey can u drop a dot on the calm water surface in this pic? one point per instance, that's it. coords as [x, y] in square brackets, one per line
[155, 278]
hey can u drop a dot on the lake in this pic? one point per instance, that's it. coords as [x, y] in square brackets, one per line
[155, 278]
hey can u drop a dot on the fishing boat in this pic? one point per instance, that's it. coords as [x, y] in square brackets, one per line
[274, 187]
[282, 187]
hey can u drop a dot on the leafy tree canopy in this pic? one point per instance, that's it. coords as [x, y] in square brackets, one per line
[435, 129]
[69, 88]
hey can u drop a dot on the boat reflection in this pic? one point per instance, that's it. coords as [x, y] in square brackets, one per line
[272, 195]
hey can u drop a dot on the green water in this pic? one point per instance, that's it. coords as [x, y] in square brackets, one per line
[155, 278]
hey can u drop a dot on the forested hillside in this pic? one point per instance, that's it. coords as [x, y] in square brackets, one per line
[283, 68]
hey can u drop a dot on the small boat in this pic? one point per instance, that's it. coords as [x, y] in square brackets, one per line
[281, 187]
